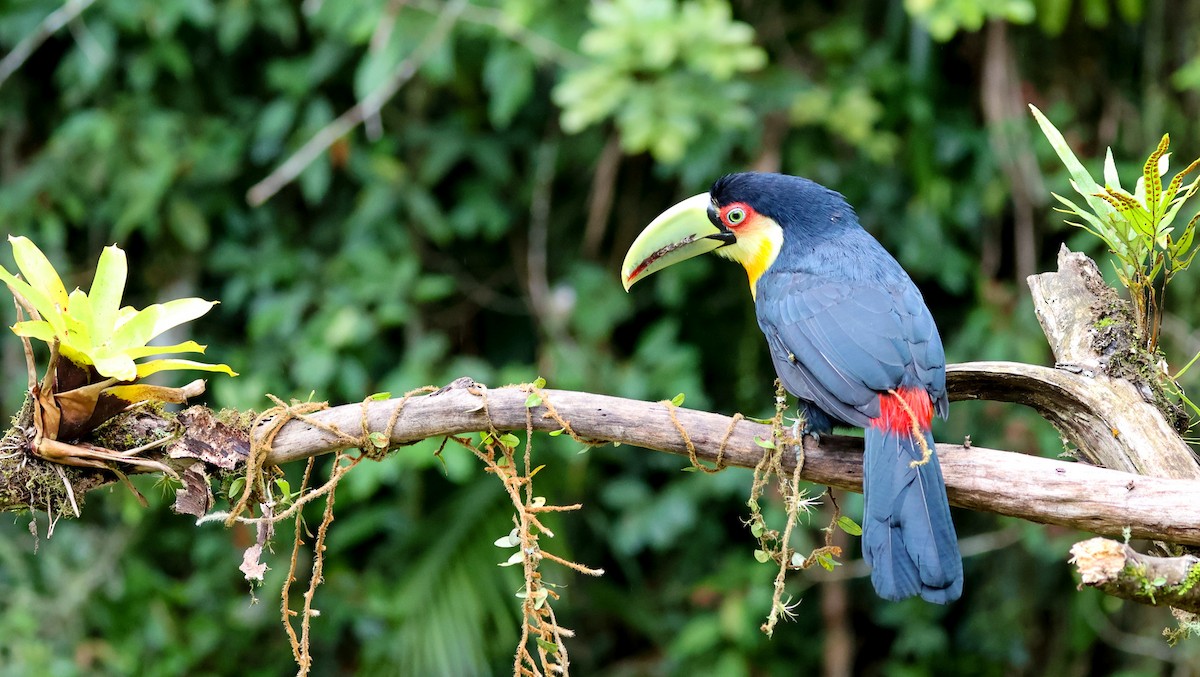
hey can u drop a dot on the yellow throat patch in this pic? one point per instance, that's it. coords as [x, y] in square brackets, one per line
[759, 240]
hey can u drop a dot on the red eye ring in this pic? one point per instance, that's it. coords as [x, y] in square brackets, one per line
[736, 214]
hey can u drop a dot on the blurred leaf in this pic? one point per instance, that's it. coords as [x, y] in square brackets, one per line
[848, 525]
[508, 76]
[188, 225]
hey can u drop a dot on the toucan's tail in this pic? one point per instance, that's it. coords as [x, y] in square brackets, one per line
[908, 537]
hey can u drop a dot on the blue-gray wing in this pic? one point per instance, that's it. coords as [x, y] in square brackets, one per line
[838, 344]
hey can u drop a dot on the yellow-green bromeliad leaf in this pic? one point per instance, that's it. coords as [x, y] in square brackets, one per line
[105, 296]
[173, 364]
[41, 288]
[93, 328]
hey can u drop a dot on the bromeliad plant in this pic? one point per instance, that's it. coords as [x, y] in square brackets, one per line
[1138, 228]
[95, 344]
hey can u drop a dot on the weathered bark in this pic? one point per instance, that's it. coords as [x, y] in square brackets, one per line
[1119, 570]
[1112, 403]
[27, 482]
[1105, 418]
[1050, 491]
[1109, 389]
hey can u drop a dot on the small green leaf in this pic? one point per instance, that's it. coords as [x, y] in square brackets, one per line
[677, 400]
[538, 501]
[547, 646]
[758, 528]
[378, 439]
[765, 444]
[510, 440]
[1159, 582]
[556, 433]
[236, 487]
[826, 561]
[537, 470]
[516, 558]
[764, 421]
[690, 468]
[284, 486]
[380, 396]
[539, 382]
[849, 526]
[533, 400]
[761, 555]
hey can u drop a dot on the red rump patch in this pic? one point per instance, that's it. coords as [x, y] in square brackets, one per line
[894, 410]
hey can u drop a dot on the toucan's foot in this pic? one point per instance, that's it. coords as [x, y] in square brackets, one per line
[800, 428]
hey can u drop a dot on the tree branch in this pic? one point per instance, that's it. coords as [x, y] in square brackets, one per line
[1119, 570]
[1105, 394]
[1049, 491]
[1033, 488]
[1104, 397]
[1107, 419]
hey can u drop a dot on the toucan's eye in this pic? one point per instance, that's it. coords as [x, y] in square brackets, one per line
[735, 216]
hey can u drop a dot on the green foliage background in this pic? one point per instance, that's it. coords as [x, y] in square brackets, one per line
[475, 226]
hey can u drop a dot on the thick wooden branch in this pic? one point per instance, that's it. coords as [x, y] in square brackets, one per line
[1105, 418]
[1038, 489]
[1121, 571]
[1105, 394]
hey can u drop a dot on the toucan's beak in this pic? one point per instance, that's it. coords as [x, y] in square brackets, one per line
[678, 234]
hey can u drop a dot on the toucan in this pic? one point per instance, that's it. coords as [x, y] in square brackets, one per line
[851, 337]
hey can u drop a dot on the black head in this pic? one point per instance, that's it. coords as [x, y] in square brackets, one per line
[791, 201]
